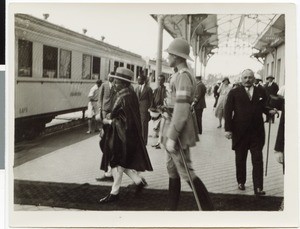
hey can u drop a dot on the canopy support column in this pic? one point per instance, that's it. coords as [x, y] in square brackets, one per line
[160, 20]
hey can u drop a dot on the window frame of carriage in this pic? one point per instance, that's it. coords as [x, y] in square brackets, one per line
[56, 63]
[92, 68]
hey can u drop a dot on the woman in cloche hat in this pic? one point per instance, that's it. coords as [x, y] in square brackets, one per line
[124, 150]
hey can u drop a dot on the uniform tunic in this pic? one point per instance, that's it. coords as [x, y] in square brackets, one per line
[181, 124]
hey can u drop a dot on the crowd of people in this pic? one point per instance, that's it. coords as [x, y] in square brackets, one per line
[122, 113]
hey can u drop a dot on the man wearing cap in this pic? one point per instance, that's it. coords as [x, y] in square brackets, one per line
[178, 127]
[107, 93]
[258, 81]
[145, 95]
[271, 89]
[199, 101]
[93, 105]
[125, 151]
[244, 125]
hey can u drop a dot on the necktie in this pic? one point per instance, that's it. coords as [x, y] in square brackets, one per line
[141, 89]
[248, 92]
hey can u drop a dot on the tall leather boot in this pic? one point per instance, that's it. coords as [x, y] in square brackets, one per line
[203, 195]
[174, 194]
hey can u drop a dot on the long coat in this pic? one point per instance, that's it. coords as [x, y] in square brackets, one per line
[145, 100]
[243, 116]
[200, 95]
[123, 144]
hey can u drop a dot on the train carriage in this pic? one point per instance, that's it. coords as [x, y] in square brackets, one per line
[55, 68]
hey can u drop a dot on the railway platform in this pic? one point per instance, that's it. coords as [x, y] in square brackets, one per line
[64, 169]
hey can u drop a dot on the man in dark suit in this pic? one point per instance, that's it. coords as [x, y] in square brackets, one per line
[216, 93]
[244, 125]
[199, 101]
[145, 95]
[271, 89]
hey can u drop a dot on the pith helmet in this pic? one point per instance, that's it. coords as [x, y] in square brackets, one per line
[270, 77]
[179, 47]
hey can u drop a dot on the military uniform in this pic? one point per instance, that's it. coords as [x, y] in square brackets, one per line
[178, 122]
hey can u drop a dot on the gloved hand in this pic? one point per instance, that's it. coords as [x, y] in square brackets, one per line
[107, 121]
[170, 145]
[228, 134]
[279, 157]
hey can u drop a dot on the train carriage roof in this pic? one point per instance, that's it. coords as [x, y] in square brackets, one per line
[24, 20]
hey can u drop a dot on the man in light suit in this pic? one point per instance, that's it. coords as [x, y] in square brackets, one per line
[244, 125]
[145, 96]
[199, 101]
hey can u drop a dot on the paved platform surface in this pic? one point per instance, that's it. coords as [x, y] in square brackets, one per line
[213, 160]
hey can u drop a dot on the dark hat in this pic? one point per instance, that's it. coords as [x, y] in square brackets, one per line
[270, 77]
[124, 74]
[198, 77]
[99, 82]
[226, 78]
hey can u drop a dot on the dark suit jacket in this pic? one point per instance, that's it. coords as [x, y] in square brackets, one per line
[145, 100]
[244, 117]
[272, 90]
[200, 96]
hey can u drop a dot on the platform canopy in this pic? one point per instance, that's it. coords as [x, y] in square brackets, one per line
[271, 37]
[232, 34]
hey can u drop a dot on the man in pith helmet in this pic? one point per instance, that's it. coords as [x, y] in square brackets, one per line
[179, 128]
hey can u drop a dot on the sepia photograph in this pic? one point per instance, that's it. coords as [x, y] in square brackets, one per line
[139, 114]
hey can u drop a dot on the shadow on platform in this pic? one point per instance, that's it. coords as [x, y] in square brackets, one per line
[86, 197]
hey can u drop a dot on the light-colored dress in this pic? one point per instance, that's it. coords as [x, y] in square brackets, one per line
[223, 90]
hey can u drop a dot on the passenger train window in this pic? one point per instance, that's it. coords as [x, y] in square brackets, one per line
[65, 64]
[91, 67]
[86, 66]
[116, 65]
[96, 67]
[25, 58]
[131, 67]
[50, 62]
[138, 70]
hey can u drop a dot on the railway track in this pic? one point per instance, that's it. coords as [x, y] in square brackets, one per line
[52, 130]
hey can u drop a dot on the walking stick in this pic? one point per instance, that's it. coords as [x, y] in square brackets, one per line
[189, 175]
[268, 146]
